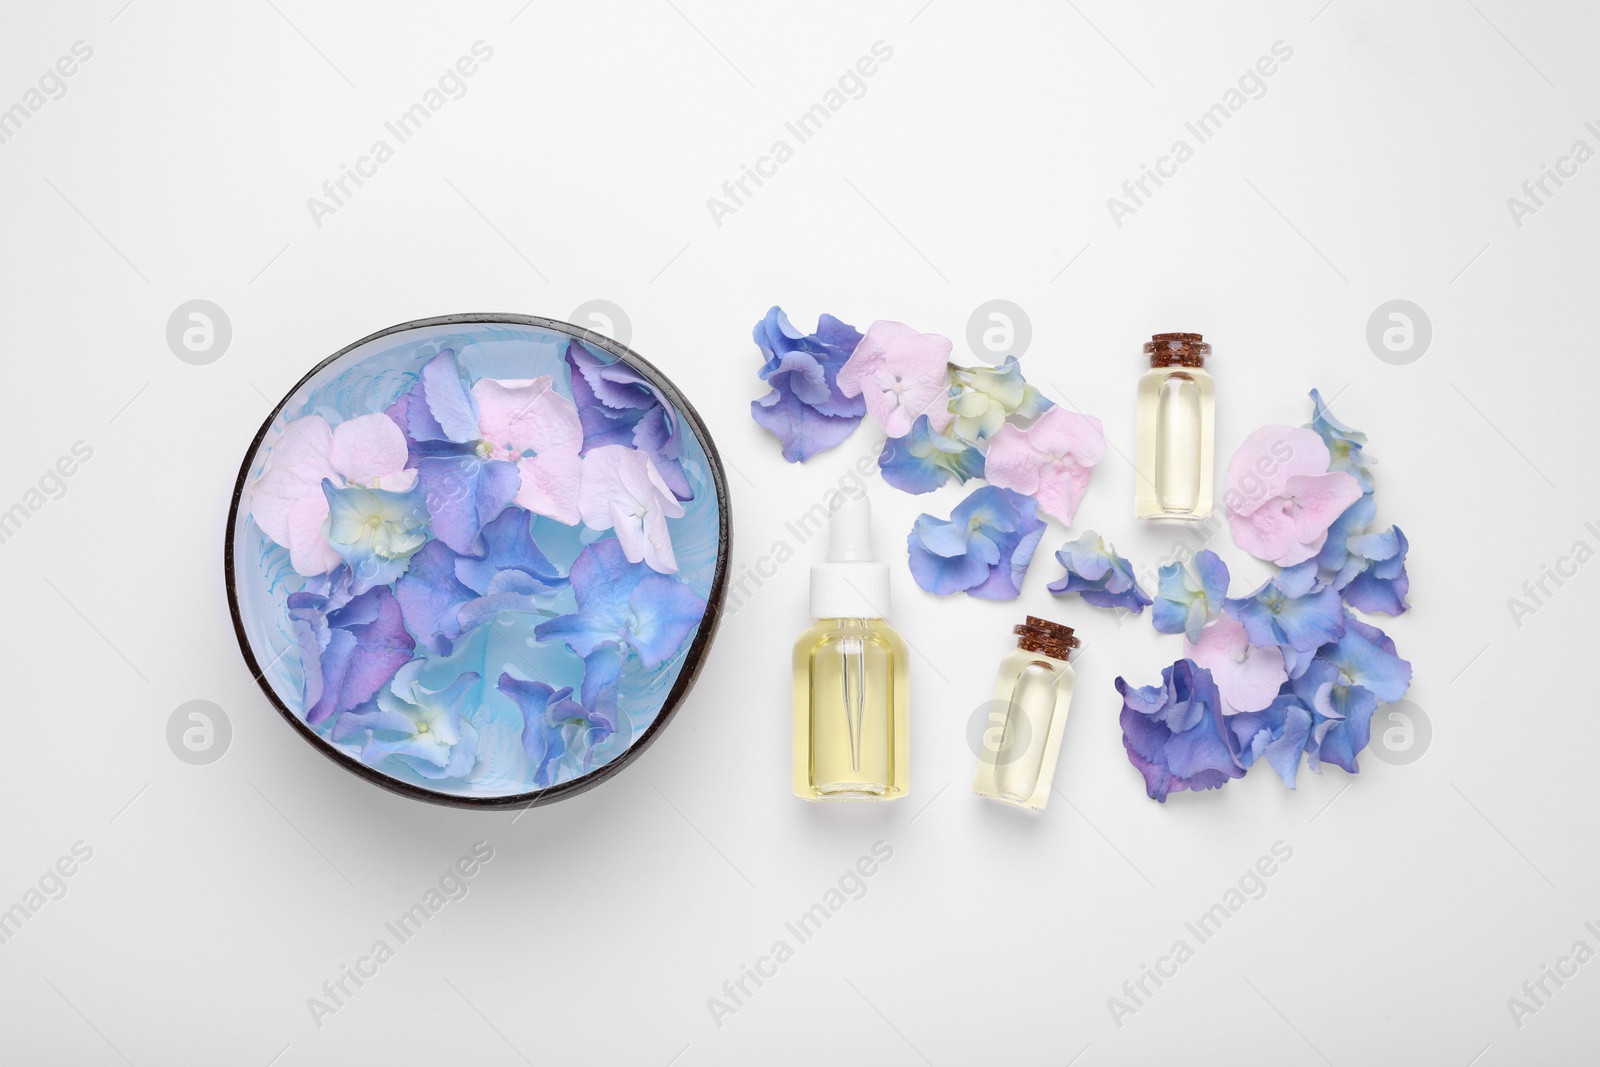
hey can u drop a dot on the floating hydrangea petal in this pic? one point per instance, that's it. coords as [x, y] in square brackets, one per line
[463, 493]
[431, 597]
[367, 643]
[423, 728]
[367, 448]
[622, 490]
[1050, 461]
[517, 416]
[1097, 574]
[624, 602]
[557, 733]
[375, 531]
[901, 374]
[288, 501]
[449, 406]
[617, 406]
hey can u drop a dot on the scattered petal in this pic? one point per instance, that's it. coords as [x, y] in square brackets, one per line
[1050, 461]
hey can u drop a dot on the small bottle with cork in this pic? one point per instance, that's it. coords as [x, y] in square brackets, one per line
[1027, 717]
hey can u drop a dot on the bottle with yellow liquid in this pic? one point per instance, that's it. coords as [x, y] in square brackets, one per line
[851, 691]
[1032, 695]
[1176, 412]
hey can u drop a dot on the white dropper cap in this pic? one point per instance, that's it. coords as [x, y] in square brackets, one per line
[851, 584]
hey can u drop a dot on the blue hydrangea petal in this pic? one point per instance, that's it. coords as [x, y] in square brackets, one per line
[625, 602]
[1186, 601]
[925, 459]
[1097, 574]
[1345, 446]
[983, 549]
[1304, 623]
[509, 545]
[1366, 655]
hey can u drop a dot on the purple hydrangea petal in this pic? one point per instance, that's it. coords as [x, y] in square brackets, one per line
[1366, 655]
[449, 406]
[463, 493]
[1382, 587]
[804, 407]
[802, 430]
[1182, 743]
[431, 597]
[368, 643]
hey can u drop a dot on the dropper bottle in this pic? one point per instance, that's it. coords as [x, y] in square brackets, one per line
[851, 687]
[1032, 695]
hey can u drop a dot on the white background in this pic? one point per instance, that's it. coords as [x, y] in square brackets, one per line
[976, 166]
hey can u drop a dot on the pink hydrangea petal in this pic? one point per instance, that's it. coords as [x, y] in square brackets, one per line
[645, 540]
[1062, 431]
[1262, 465]
[517, 414]
[1321, 498]
[1247, 677]
[1267, 533]
[1061, 490]
[309, 551]
[550, 485]
[1012, 462]
[295, 468]
[1050, 461]
[617, 480]
[367, 448]
[399, 482]
[643, 481]
[901, 374]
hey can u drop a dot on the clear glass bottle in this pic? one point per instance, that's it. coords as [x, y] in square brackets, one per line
[1176, 431]
[851, 687]
[1032, 695]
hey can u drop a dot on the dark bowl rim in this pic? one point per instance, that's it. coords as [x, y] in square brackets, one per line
[693, 661]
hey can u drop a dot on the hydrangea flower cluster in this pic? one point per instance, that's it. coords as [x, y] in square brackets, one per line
[417, 534]
[943, 423]
[1289, 671]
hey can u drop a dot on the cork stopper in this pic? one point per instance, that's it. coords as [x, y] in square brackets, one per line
[1177, 350]
[1045, 637]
